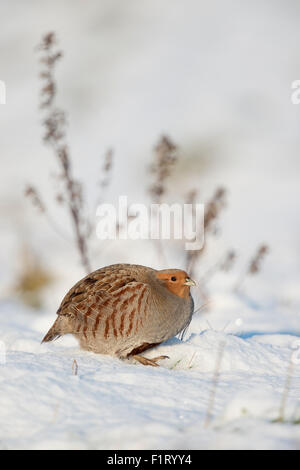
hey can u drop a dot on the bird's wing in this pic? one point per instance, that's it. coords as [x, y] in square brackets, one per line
[104, 293]
[103, 281]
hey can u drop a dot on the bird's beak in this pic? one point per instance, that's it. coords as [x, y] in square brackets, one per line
[189, 282]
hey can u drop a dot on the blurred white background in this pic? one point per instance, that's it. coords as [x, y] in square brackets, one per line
[215, 76]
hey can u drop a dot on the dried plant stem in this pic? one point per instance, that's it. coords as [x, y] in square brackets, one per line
[191, 360]
[54, 125]
[212, 211]
[254, 265]
[75, 367]
[214, 387]
[165, 157]
[225, 264]
[32, 194]
[286, 390]
[80, 239]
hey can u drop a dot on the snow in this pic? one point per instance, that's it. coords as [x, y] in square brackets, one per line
[112, 404]
[217, 78]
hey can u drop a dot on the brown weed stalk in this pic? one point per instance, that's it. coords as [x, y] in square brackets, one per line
[215, 383]
[107, 169]
[165, 157]
[54, 124]
[286, 390]
[225, 264]
[254, 266]
[255, 263]
[75, 368]
[211, 214]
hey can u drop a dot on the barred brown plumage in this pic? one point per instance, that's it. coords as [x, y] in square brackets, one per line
[124, 309]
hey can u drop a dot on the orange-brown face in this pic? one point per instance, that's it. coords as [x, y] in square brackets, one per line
[176, 281]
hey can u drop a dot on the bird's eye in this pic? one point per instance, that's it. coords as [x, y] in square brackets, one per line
[173, 278]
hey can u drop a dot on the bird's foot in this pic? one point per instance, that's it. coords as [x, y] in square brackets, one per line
[149, 362]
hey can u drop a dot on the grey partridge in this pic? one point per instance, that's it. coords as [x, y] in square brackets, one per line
[125, 309]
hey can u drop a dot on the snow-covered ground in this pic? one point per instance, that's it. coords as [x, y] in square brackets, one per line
[215, 76]
[112, 404]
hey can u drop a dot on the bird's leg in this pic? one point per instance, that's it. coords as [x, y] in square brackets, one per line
[149, 362]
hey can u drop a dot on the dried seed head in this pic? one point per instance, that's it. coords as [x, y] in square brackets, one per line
[33, 195]
[107, 168]
[165, 158]
[255, 263]
[54, 125]
[229, 260]
[191, 196]
[213, 208]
